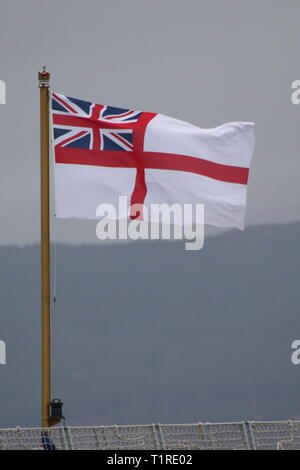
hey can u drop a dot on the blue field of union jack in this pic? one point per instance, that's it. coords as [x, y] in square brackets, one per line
[93, 126]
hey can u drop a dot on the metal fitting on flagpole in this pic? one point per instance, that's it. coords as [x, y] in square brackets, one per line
[44, 78]
[55, 412]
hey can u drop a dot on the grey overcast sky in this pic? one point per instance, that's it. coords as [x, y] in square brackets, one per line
[206, 62]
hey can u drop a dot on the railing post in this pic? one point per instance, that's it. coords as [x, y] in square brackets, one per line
[97, 442]
[245, 433]
[158, 437]
[69, 440]
[251, 439]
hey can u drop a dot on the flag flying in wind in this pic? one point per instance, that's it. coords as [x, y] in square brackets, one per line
[103, 152]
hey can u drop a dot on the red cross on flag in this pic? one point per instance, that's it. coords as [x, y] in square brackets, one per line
[103, 152]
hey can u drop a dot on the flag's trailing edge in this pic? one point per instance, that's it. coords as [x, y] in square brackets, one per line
[103, 152]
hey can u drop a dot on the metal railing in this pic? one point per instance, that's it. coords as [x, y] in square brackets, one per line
[254, 435]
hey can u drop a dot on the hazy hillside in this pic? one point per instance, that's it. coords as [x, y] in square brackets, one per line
[148, 332]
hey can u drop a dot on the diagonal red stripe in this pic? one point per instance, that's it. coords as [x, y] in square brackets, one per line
[69, 139]
[122, 140]
[64, 103]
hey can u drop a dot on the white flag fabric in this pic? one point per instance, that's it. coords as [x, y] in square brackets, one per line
[103, 152]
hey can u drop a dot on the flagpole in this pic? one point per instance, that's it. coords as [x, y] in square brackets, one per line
[44, 78]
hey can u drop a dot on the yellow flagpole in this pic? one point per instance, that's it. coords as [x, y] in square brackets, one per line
[44, 78]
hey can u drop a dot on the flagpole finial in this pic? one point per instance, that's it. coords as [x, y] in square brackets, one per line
[44, 78]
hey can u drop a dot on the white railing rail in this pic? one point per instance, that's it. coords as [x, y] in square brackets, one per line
[244, 435]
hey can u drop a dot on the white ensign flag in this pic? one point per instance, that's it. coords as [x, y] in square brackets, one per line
[103, 152]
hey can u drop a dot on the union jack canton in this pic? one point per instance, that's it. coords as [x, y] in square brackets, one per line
[97, 129]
